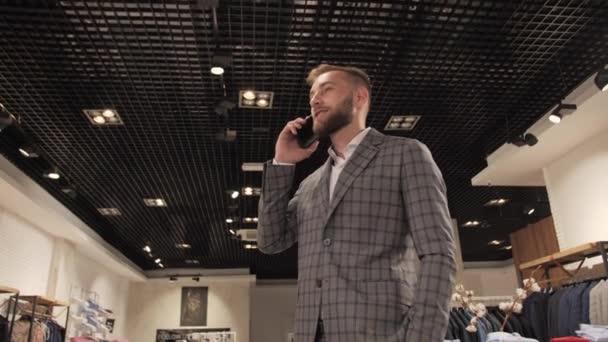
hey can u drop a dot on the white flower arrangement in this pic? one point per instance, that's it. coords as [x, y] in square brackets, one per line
[514, 306]
[464, 299]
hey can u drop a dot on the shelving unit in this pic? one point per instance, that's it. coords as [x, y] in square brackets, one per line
[15, 294]
[569, 256]
[47, 302]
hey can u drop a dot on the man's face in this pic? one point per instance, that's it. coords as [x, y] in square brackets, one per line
[331, 103]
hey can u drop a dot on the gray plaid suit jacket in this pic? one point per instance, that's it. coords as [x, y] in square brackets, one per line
[378, 262]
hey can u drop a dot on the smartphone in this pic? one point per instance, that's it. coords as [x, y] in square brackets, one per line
[306, 136]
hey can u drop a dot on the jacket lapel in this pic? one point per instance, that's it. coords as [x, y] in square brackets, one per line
[322, 188]
[363, 155]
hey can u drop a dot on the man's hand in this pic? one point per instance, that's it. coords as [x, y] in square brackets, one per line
[287, 149]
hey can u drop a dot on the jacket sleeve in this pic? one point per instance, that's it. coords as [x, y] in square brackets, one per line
[427, 213]
[277, 221]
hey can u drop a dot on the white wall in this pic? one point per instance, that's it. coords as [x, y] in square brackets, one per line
[495, 281]
[273, 310]
[577, 185]
[155, 304]
[25, 255]
[38, 264]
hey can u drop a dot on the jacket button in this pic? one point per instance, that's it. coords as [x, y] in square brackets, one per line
[327, 242]
[319, 283]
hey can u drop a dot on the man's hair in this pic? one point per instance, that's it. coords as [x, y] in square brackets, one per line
[358, 76]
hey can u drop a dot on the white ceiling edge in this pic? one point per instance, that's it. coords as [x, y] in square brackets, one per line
[523, 166]
[25, 198]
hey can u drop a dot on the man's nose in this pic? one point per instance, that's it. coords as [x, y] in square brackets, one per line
[314, 100]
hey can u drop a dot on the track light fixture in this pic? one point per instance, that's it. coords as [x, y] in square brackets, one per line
[524, 139]
[52, 173]
[601, 79]
[529, 210]
[196, 279]
[172, 279]
[560, 111]
[29, 151]
[6, 118]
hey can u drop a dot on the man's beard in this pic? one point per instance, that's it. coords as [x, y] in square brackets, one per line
[341, 117]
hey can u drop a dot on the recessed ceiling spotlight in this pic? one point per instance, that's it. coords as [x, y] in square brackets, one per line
[108, 113]
[471, 224]
[147, 249]
[497, 202]
[109, 211]
[161, 265]
[256, 99]
[248, 219]
[248, 95]
[402, 122]
[249, 191]
[234, 194]
[155, 202]
[232, 231]
[157, 261]
[229, 220]
[103, 117]
[250, 246]
[53, 174]
[182, 246]
[494, 242]
[192, 261]
[262, 103]
[218, 71]
[508, 247]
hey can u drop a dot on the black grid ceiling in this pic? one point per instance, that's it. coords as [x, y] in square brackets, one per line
[467, 67]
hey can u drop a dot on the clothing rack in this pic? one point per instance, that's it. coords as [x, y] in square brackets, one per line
[15, 294]
[47, 302]
[569, 256]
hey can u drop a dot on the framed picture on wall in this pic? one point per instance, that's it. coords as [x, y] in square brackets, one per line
[194, 306]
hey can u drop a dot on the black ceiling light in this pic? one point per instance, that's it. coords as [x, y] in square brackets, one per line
[172, 279]
[196, 279]
[29, 151]
[6, 118]
[524, 139]
[601, 79]
[223, 106]
[560, 111]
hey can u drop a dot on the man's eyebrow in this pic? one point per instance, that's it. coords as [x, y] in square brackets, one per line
[321, 86]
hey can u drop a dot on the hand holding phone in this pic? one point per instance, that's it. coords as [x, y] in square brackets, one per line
[306, 136]
[296, 142]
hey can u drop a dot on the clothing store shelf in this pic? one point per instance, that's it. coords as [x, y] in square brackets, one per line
[576, 254]
[42, 300]
[6, 289]
[568, 256]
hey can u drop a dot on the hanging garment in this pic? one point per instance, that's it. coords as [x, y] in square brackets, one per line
[595, 303]
[535, 311]
[569, 339]
[4, 327]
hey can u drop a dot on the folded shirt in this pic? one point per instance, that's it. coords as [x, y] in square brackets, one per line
[507, 337]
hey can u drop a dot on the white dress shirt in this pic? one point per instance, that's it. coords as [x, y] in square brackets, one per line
[338, 163]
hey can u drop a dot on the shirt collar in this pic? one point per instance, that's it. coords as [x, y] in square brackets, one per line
[351, 147]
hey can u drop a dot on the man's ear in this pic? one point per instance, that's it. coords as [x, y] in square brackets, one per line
[361, 97]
